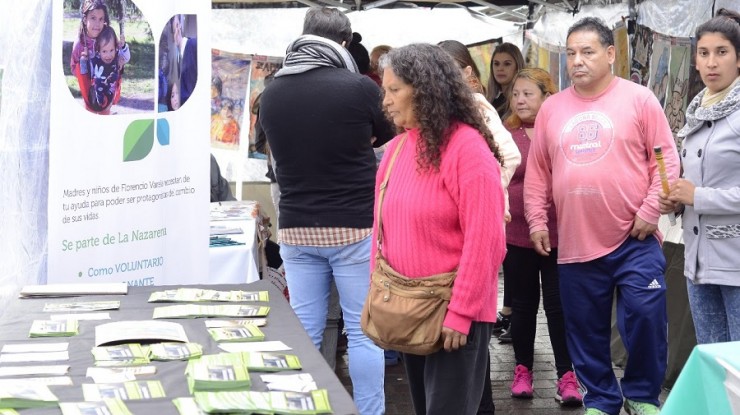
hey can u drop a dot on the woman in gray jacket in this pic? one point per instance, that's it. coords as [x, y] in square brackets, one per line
[709, 192]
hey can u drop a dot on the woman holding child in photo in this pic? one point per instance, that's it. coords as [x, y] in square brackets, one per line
[98, 57]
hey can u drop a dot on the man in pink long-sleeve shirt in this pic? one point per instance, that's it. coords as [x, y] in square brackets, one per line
[592, 157]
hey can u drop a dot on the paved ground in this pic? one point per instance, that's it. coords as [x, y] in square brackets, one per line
[502, 373]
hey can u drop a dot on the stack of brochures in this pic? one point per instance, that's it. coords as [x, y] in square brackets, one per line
[126, 391]
[245, 333]
[139, 331]
[54, 328]
[72, 290]
[81, 306]
[285, 403]
[216, 241]
[175, 351]
[197, 310]
[223, 371]
[128, 354]
[19, 395]
[259, 322]
[108, 406]
[191, 295]
[270, 362]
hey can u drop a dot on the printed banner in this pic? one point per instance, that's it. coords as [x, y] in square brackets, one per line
[642, 46]
[621, 46]
[128, 151]
[564, 75]
[677, 95]
[659, 79]
[229, 82]
[482, 53]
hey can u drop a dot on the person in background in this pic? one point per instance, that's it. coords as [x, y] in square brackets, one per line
[375, 55]
[220, 190]
[359, 54]
[709, 192]
[443, 211]
[471, 74]
[186, 57]
[325, 165]
[592, 157]
[507, 147]
[506, 61]
[524, 267]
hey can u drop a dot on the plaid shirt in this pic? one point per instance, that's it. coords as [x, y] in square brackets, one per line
[322, 236]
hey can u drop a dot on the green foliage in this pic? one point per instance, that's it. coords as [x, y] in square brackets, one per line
[118, 10]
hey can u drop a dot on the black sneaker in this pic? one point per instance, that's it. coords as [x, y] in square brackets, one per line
[502, 323]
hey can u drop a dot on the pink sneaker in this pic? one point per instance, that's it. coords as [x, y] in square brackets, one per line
[568, 393]
[522, 385]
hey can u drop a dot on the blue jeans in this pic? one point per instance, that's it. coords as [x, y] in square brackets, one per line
[636, 269]
[716, 312]
[309, 270]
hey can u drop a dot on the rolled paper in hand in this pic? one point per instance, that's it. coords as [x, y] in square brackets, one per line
[663, 178]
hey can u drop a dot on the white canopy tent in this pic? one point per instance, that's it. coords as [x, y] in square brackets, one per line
[269, 31]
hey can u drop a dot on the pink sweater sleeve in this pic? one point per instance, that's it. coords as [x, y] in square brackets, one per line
[538, 179]
[474, 180]
[657, 132]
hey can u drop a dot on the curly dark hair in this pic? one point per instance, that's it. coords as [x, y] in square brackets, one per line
[441, 97]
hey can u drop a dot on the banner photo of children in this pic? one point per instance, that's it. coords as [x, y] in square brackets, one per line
[178, 62]
[229, 82]
[642, 44]
[108, 57]
[482, 52]
[621, 46]
[263, 68]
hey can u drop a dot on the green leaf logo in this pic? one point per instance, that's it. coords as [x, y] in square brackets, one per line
[138, 140]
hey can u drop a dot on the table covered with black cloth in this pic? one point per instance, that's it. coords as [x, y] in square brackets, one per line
[282, 324]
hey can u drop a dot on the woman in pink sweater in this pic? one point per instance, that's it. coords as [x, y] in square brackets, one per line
[443, 211]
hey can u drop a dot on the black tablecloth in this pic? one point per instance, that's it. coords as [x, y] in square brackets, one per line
[282, 324]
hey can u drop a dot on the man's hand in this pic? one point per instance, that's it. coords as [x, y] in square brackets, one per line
[541, 242]
[453, 339]
[642, 229]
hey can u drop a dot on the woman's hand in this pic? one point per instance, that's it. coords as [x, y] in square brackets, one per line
[666, 205]
[453, 339]
[541, 242]
[682, 191]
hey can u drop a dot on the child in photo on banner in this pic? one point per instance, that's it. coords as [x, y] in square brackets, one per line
[94, 20]
[107, 63]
